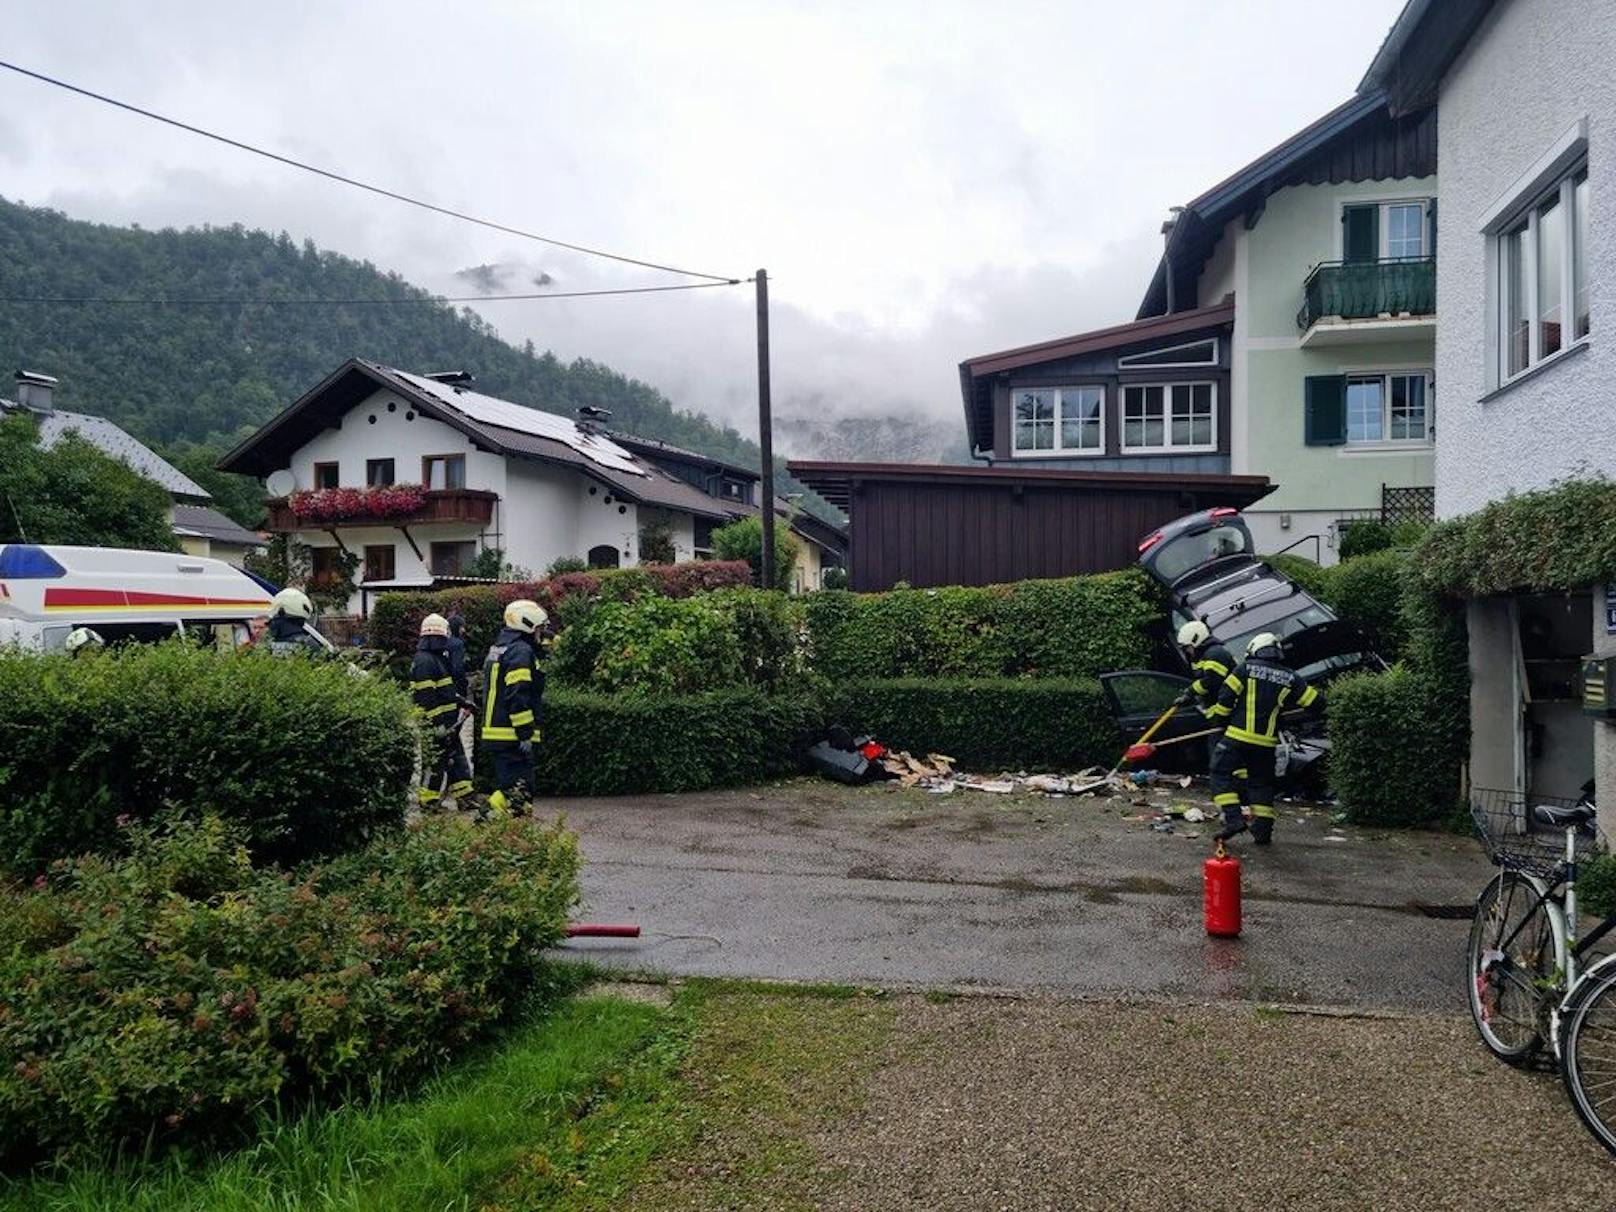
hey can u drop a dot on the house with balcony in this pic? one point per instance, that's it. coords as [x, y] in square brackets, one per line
[1328, 242]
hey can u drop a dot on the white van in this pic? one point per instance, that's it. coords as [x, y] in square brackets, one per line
[138, 596]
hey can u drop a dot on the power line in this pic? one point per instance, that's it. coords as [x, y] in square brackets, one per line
[722, 279]
[417, 300]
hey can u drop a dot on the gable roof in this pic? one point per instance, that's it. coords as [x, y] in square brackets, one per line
[654, 448]
[109, 439]
[204, 522]
[498, 426]
[1419, 48]
[977, 374]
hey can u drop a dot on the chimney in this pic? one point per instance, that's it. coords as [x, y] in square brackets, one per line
[592, 419]
[35, 391]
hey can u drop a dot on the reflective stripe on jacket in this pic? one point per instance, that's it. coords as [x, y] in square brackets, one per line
[432, 686]
[512, 687]
[1253, 697]
[1212, 665]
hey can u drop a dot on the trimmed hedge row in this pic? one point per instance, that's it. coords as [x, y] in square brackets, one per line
[1393, 759]
[395, 619]
[1368, 589]
[174, 993]
[309, 757]
[1560, 538]
[1020, 724]
[1076, 627]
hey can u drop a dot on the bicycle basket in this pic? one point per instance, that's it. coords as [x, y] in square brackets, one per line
[1513, 838]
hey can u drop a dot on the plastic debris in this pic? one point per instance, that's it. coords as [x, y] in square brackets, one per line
[1194, 816]
[997, 788]
[1143, 778]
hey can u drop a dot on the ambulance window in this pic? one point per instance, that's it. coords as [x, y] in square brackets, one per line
[54, 639]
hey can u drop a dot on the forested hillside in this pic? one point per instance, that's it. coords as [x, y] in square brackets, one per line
[197, 378]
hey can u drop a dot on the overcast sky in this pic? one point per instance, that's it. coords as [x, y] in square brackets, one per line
[924, 181]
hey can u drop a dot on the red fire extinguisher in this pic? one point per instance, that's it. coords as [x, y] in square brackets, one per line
[1221, 876]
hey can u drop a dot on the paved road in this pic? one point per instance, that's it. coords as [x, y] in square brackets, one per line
[809, 881]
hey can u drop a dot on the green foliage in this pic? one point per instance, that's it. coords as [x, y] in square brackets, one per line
[1409, 532]
[1596, 884]
[1558, 539]
[74, 494]
[651, 645]
[178, 990]
[307, 756]
[283, 561]
[833, 577]
[491, 565]
[1394, 755]
[1314, 578]
[332, 592]
[240, 498]
[563, 564]
[631, 744]
[768, 626]
[743, 540]
[656, 544]
[1369, 591]
[1067, 628]
[1363, 536]
[1038, 724]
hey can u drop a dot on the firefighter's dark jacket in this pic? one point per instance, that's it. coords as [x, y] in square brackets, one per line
[432, 682]
[513, 686]
[288, 635]
[1213, 663]
[1254, 696]
[457, 654]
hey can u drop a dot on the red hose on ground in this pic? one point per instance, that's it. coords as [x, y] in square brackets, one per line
[597, 930]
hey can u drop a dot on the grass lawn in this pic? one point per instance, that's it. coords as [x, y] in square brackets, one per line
[585, 1108]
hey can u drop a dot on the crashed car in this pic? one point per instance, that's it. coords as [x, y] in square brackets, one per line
[1208, 565]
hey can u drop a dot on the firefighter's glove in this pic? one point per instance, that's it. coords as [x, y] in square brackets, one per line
[525, 748]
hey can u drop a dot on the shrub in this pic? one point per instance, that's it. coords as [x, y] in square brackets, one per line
[177, 991]
[1364, 536]
[625, 744]
[1561, 538]
[308, 757]
[653, 645]
[1596, 884]
[1315, 579]
[1409, 532]
[768, 627]
[833, 577]
[563, 564]
[743, 540]
[1048, 723]
[1394, 755]
[656, 544]
[1369, 591]
[1065, 628]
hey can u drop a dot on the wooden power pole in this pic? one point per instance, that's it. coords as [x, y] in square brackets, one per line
[765, 431]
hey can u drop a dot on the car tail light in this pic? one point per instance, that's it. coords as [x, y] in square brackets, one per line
[1146, 544]
[1222, 512]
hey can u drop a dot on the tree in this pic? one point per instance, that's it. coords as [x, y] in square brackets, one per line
[743, 540]
[74, 494]
[656, 544]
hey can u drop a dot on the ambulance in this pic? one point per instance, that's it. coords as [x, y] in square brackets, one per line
[125, 596]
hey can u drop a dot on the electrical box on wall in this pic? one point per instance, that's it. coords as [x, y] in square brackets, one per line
[1599, 687]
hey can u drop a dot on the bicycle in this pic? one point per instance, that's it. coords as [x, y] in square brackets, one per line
[1527, 982]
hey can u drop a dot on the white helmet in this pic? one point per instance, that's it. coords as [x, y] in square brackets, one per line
[1265, 645]
[293, 603]
[434, 624]
[1193, 634]
[83, 639]
[525, 615]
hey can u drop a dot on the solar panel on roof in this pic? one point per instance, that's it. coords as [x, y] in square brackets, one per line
[493, 411]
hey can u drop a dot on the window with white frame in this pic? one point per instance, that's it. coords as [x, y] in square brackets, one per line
[1542, 285]
[1394, 407]
[1169, 416]
[1386, 231]
[1058, 420]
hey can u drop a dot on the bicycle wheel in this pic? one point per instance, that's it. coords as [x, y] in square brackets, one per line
[1514, 967]
[1588, 1057]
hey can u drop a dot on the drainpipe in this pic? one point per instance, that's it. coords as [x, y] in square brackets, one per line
[1167, 228]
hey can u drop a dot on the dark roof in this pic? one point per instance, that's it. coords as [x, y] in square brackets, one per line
[203, 522]
[111, 440]
[656, 448]
[1419, 48]
[1359, 140]
[835, 481]
[356, 379]
[976, 374]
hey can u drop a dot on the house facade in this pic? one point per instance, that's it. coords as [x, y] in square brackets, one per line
[1526, 95]
[1328, 242]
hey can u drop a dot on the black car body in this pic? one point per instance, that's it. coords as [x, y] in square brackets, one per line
[1208, 566]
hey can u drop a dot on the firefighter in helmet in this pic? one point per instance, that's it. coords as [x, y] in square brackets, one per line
[1211, 663]
[289, 613]
[513, 685]
[1251, 701]
[82, 641]
[444, 768]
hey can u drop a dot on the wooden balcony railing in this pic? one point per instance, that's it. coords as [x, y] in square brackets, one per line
[472, 506]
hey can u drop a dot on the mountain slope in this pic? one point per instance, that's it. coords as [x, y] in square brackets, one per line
[176, 374]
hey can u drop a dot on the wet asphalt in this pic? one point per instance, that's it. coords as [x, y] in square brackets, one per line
[810, 881]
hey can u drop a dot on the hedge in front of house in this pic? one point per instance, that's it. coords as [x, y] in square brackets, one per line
[1394, 750]
[594, 744]
[985, 724]
[173, 994]
[1557, 539]
[309, 757]
[1076, 627]
[1369, 590]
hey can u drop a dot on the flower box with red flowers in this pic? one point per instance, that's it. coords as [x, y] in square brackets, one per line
[357, 504]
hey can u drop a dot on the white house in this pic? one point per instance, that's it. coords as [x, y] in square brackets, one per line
[416, 474]
[1526, 97]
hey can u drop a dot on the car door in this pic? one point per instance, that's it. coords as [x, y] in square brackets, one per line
[1137, 697]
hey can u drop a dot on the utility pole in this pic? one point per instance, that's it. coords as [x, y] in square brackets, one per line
[765, 431]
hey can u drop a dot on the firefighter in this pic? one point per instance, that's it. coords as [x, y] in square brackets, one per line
[82, 641]
[289, 613]
[444, 768]
[1211, 663]
[513, 686]
[1251, 700]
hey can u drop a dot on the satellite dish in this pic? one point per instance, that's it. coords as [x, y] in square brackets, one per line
[280, 483]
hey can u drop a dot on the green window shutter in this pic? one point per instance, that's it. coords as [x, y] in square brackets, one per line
[1324, 410]
[1361, 233]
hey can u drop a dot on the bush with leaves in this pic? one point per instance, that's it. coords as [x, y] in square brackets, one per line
[650, 645]
[1363, 536]
[743, 540]
[1393, 757]
[833, 577]
[172, 993]
[656, 544]
[1559, 539]
[768, 626]
[307, 756]
[1369, 591]
[1314, 578]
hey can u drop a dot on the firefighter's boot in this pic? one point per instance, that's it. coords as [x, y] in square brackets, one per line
[1262, 826]
[1233, 822]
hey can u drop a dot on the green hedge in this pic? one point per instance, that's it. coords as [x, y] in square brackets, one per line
[1370, 590]
[1314, 578]
[175, 993]
[1395, 751]
[1561, 538]
[1059, 629]
[309, 756]
[624, 744]
[1020, 724]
